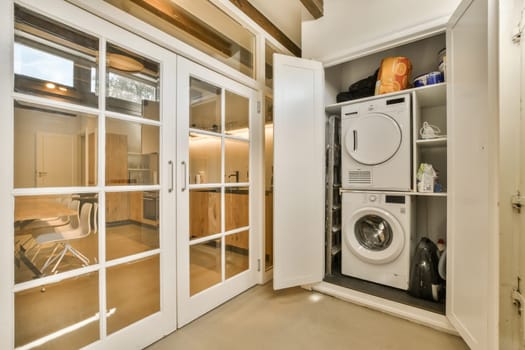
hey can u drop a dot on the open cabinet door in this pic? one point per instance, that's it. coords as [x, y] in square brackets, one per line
[472, 98]
[299, 124]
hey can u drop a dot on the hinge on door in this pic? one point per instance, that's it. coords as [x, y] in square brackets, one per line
[519, 301]
[517, 201]
[258, 106]
[258, 265]
[518, 30]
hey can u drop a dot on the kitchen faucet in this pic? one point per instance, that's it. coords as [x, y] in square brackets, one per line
[235, 174]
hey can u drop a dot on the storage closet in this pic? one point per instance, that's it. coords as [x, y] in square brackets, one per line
[460, 209]
[428, 209]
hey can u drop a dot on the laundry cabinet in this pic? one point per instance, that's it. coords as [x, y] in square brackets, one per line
[463, 211]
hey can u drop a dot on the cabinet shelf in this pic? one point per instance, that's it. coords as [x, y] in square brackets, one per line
[430, 194]
[407, 193]
[428, 96]
[437, 142]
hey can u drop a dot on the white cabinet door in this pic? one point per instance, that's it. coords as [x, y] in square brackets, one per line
[472, 278]
[299, 201]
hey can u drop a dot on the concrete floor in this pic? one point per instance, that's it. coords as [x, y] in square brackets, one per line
[295, 318]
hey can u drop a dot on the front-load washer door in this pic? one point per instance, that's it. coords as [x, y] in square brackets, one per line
[373, 235]
[372, 138]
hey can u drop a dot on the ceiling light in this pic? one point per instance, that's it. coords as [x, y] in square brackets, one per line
[61, 88]
[50, 85]
[123, 63]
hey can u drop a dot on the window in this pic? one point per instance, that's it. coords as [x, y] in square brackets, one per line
[39, 64]
[129, 89]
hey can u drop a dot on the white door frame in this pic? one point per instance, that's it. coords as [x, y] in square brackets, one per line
[6, 176]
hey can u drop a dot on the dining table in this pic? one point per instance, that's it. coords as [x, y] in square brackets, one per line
[31, 208]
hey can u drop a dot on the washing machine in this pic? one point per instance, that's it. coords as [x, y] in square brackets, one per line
[377, 237]
[375, 144]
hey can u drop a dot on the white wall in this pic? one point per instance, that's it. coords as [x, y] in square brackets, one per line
[350, 26]
[285, 15]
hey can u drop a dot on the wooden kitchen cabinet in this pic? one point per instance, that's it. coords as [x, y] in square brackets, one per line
[136, 206]
[116, 159]
[268, 226]
[205, 213]
[237, 216]
[205, 217]
[117, 203]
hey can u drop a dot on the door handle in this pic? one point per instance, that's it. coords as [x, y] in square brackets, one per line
[355, 140]
[42, 173]
[170, 163]
[184, 176]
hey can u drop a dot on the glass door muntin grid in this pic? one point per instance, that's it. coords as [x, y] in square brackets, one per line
[197, 180]
[100, 189]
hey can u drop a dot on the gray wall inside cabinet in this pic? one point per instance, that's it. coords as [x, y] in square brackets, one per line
[422, 53]
[431, 218]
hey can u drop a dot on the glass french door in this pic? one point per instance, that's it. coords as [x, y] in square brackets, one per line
[93, 234]
[217, 165]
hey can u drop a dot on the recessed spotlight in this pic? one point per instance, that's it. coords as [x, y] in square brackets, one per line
[61, 88]
[50, 85]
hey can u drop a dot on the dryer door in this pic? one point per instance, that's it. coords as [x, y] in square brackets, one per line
[372, 138]
[374, 235]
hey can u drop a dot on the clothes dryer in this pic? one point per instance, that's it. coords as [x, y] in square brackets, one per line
[375, 144]
[377, 237]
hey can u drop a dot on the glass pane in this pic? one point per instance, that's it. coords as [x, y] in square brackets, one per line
[65, 313]
[200, 24]
[237, 253]
[133, 292]
[132, 153]
[268, 180]
[236, 161]
[205, 106]
[133, 83]
[237, 115]
[54, 233]
[205, 159]
[236, 201]
[205, 212]
[373, 232]
[205, 265]
[132, 223]
[268, 64]
[53, 148]
[54, 60]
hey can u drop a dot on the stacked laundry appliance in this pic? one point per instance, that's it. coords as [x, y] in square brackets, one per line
[376, 168]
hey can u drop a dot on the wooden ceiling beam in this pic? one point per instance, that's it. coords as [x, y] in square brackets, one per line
[178, 17]
[267, 25]
[315, 7]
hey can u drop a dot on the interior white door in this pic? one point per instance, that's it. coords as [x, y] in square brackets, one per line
[118, 289]
[299, 163]
[472, 276]
[219, 193]
[55, 161]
